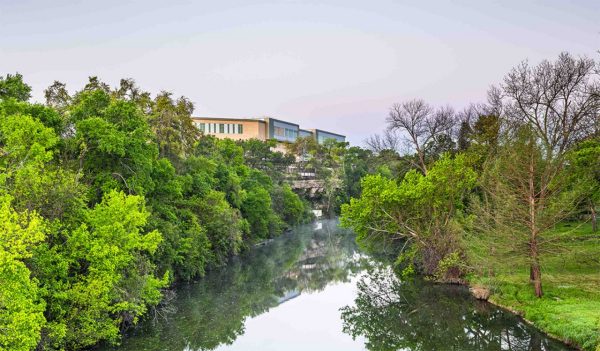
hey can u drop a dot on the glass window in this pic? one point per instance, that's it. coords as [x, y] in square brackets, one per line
[279, 131]
[202, 127]
[221, 128]
[241, 128]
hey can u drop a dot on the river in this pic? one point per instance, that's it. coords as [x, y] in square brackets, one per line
[312, 289]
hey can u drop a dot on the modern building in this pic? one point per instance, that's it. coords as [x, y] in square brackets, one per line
[232, 128]
[265, 128]
[321, 136]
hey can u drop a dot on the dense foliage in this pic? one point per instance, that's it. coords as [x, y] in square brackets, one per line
[498, 195]
[108, 197]
[485, 186]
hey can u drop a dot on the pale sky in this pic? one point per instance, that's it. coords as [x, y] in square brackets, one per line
[333, 65]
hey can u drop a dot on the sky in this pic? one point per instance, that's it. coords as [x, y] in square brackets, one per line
[333, 65]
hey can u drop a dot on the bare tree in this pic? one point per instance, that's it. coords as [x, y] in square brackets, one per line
[560, 100]
[420, 123]
[389, 140]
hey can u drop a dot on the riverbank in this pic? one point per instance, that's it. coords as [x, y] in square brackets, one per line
[314, 289]
[570, 307]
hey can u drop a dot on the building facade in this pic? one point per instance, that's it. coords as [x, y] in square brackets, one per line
[260, 128]
[321, 136]
[232, 128]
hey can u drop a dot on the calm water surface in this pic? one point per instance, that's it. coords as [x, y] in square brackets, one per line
[312, 289]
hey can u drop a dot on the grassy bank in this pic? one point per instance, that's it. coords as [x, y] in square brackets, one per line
[570, 307]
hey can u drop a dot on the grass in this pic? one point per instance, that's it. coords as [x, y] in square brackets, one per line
[570, 307]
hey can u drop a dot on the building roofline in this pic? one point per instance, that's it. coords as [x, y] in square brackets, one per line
[230, 119]
[286, 122]
[328, 132]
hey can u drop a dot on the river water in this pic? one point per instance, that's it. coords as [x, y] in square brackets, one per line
[312, 289]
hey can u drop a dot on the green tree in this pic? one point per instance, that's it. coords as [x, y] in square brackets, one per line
[256, 207]
[526, 195]
[288, 205]
[421, 211]
[27, 172]
[57, 96]
[258, 154]
[172, 125]
[224, 225]
[114, 282]
[584, 162]
[12, 86]
[21, 306]
[111, 145]
[174, 203]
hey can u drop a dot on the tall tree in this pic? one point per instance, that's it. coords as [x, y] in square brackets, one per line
[12, 86]
[21, 307]
[560, 100]
[526, 195]
[57, 96]
[172, 124]
[420, 124]
[549, 107]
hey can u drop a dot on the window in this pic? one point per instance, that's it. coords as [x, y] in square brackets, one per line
[221, 128]
[280, 132]
[290, 133]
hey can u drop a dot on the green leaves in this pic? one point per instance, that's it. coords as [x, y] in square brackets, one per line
[21, 309]
[25, 141]
[418, 209]
[107, 197]
[115, 276]
[12, 86]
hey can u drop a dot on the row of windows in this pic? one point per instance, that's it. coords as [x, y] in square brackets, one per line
[285, 132]
[323, 138]
[221, 128]
[279, 132]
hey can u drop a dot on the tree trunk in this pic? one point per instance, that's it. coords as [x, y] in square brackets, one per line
[535, 273]
[594, 220]
[421, 155]
[531, 276]
[537, 278]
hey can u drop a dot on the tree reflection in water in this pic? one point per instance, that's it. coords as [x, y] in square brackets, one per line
[213, 311]
[395, 315]
[390, 314]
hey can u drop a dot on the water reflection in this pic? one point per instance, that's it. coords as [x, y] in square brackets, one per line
[213, 312]
[301, 280]
[392, 315]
